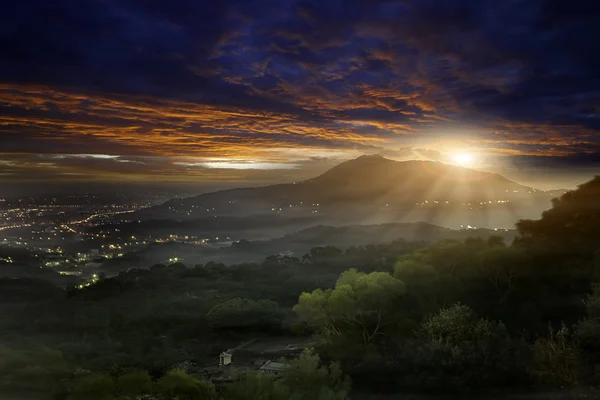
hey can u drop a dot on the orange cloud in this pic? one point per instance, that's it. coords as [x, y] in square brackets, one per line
[44, 120]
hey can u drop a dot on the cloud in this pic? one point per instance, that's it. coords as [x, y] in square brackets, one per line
[255, 80]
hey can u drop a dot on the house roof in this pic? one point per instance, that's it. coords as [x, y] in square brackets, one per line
[274, 366]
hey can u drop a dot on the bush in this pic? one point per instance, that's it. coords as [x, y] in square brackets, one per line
[92, 387]
[256, 386]
[455, 351]
[587, 335]
[306, 378]
[242, 313]
[134, 383]
[36, 370]
[178, 384]
[556, 360]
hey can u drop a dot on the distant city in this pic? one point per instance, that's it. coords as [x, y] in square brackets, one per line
[53, 232]
[75, 239]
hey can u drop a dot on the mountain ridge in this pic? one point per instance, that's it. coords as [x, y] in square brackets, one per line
[370, 189]
[365, 161]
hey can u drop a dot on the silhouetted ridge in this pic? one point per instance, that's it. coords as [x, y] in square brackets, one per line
[354, 190]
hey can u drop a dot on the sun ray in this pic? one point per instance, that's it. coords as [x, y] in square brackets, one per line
[464, 159]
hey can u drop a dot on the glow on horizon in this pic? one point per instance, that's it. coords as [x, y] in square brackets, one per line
[464, 159]
[239, 165]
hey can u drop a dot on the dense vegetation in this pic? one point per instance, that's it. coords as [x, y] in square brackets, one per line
[459, 316]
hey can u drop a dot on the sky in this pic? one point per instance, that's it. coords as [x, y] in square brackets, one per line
[247, 91]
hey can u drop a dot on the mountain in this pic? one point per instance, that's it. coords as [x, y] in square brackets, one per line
[374, 177]
[371, 189]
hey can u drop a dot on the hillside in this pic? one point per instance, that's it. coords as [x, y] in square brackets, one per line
[299, 243]
[363, 235]
[372, 190]
[375, 177]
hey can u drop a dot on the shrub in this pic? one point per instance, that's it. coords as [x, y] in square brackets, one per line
[556, 359]
[456, 351]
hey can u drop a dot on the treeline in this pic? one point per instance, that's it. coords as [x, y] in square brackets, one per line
[162, 318]
[461, 316]
[458, 316]
[454, 316]
[46, 373]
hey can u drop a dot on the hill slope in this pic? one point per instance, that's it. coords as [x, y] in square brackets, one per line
[370, 189]
[298, 243]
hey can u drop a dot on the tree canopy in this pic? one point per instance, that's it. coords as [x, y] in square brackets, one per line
[360, 305]
[572, 222]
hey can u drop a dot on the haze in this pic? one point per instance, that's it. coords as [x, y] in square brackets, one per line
[299, 199]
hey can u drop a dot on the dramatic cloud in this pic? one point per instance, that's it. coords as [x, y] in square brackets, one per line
[234, 90]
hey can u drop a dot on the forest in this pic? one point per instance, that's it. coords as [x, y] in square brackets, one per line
[456, 316]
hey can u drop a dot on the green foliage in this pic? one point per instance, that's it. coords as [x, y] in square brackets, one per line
[322, 254]
[175, 384]
[556, 359]
[306, 378]
[243, 313]
[572, 223]
[424, 283]
[496, 241]
[500, 268]
[391, 321]
[179, 384]
[12, 290]
[588, 330]
[31, 370]
[522, 286]
[93, 387]
[587, 335]
[360, 306]
[134, 383]
[256, 386]
[471, 351]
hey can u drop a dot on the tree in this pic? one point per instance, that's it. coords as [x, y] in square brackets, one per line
[500, 268]
[307, 379]
[31, 370]
[134, 383]
[556, 359]
[241, 312]
[322, 254]
[474, 350]
[588, 330]
[93, 387]
[177, 267]
[495, 241]
[423, 282]
[587, 334]
[475, 243]
[358, 305]
[178, 384]
[573, 222]
[256, 386]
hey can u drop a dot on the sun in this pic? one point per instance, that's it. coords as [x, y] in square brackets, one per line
[463, 159]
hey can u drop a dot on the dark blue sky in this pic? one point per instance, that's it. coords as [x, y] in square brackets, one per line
[273, 90]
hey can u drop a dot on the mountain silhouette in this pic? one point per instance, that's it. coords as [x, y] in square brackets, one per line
[373, 177]
[368, 189]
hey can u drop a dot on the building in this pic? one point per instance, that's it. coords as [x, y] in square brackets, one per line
[225, 357]
[274, 368]
[256, 353]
